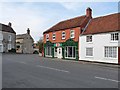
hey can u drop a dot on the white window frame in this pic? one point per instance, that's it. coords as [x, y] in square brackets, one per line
[63, 35]
[89, 38]
[9, 46]
[110, 52]
[68, 51]
[54, 36]
[88, 53]
[47, 37]
[72, 33]
[113, 37]
[9, 37]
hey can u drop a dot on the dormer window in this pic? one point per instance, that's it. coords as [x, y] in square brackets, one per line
[114, 36]
[47, 37]
[54, 36]
[72, 33]
[88, 38]
[63, 35]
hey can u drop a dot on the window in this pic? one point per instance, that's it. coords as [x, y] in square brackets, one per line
[9, 46]
[70, 52]
[111, 52]
[89, 51]
[72, 34]
[1, 36]
[47, 37]
[48, 51]
[54, 36]
[63, 35]
[88, 38]
[9, 37]
[114, 36]
[1, 48]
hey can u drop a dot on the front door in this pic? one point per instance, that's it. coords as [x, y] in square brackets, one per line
[55, 52]
[59, 52]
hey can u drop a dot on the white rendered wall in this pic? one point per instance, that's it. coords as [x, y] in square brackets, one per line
[99, 41]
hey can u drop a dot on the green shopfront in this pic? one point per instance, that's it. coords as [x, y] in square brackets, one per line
[66, 50]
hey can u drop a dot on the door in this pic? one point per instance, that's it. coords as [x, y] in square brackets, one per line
[59, 52]
[55, 52]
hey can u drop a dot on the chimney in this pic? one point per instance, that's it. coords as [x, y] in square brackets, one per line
[10, 24]
[89, 12]
[28, 31]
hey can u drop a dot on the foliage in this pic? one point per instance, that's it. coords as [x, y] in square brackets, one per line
[12, 50]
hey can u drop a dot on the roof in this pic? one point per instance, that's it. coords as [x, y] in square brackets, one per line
[7, 28]
[22, 36]
[103, 24]
[70, 23]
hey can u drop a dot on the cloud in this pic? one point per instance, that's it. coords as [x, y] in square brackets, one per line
[22, 18]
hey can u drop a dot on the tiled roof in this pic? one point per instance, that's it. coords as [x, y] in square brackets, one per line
[103, 24]
[70, 23]
[6, 28]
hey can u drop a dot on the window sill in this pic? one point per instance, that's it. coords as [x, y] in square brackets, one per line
[89, 56]
[113, 41]
[69, 58]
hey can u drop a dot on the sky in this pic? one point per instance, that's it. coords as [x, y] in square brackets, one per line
[40, 16]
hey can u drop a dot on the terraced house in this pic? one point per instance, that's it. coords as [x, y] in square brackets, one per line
[7, 38]
[61, 40]
[100, 40]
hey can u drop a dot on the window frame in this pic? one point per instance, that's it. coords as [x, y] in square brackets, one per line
[87, 52]
[72, 32]
[47, 37]
[110, 52]
[89, 38]
[9, 46]
[113, 37]
[54, 36]
[9, 37]
[63, 35]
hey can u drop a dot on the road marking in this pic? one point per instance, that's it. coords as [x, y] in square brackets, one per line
[53, 69]
[107, 79]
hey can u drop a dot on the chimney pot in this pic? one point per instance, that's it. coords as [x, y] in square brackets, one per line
[89, 12]
[10, 24]
[28, 31]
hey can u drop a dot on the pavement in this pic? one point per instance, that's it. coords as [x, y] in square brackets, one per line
[33, 71]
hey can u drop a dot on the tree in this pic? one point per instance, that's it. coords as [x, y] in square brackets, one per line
[40, 44]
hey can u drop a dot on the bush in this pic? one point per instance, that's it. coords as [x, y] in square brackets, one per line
[12, 50]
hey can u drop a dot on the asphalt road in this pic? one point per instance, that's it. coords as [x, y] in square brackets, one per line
[32, 71]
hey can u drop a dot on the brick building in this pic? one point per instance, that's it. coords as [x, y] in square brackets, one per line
[61, 40]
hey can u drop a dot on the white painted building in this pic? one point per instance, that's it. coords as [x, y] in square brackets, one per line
[99, 41]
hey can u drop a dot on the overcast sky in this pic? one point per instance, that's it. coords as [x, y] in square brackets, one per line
[40, 16]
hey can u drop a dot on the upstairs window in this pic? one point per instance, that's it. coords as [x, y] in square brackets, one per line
[114, 36]
[72, 34]
[9, 38]
[88, 38]
[47, 37]
[54, 36]
[63, 35]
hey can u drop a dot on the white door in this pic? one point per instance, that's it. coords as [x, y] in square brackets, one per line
[59, 52]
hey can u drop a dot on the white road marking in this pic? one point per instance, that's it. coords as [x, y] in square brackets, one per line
[107, 79]
[53, 69]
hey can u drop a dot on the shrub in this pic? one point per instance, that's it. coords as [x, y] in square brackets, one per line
[35, 52]
[12, 50]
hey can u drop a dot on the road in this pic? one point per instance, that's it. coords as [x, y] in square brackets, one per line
[32, 71]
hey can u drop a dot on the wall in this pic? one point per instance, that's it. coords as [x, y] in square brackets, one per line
[99, 41]
[59, 35]
[6, 41]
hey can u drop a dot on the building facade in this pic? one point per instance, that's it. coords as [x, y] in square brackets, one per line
[7, 38]
[99, 41]
[61, 40]
[24, 43]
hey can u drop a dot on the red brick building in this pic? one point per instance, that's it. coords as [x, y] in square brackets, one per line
[61, 40]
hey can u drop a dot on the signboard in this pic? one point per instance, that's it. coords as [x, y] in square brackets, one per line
[57, 44]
